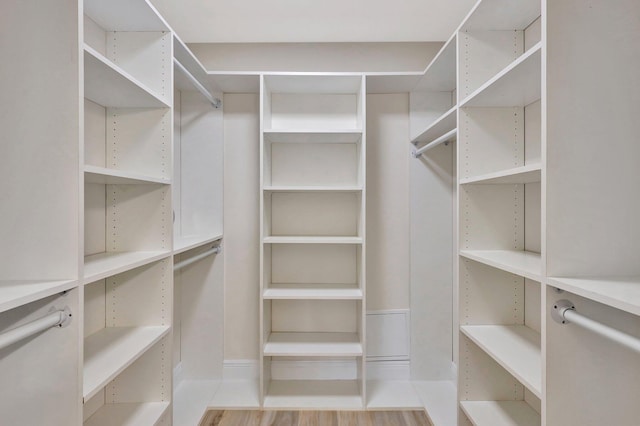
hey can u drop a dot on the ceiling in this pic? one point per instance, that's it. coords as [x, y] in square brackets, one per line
[294, 21]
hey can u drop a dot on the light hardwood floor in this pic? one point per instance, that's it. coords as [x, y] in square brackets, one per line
[314, 418]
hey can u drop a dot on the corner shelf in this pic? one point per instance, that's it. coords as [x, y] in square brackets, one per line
[500, 413]
[314, 394]
[105, 176]
[182, 244]
[441, 126]
[526, 174]
[15, 293]
[103, 265]
[110, 86]
[128, 414]
[313, 344]
[440, 74]
[524, 263]
[618, 292]
[125, 15]
[516, 85]
[313, 240]
[501, 15]
[515, 347]
[111, 350]
[312, 292]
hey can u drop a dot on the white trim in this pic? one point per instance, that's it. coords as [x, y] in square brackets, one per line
[240, 369]
[388, 370]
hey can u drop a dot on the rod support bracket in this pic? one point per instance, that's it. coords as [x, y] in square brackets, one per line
[217, 103]
[558, 310]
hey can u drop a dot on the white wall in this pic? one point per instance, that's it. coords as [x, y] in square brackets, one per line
[313, 21]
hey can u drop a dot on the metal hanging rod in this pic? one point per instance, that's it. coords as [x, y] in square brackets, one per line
[216, 102]
[60, 318]
[213, 250]
[442, 139]
[564, 312]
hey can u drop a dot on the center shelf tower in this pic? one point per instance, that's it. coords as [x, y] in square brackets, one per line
[312, 261]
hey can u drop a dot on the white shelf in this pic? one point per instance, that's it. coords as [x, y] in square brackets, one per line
[231, 394]
[313, 394]
[191, 399]
[515, 347]
[110, 86]
[291, 188]
[525, 174]
[14, 293]
[130, 414]
[519, 84]
[440, 74]
[125, 15]
[501, 15]
[313, 135]
[182, 244]
[313, 291]
[392, 395]
[312, 240]
[524, 263]
[500, 413]
[440, 399]
[319, 83]
[104, 176]
[313, 344]
[441, 126]
[103, 265]
[618, 292]
[109, 351]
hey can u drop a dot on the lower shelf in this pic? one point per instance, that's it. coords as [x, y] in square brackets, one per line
[109, 351]
[137, 414]
[500, 413]
[191, 399]
[314, 394]
[313, 344]
[18, 293]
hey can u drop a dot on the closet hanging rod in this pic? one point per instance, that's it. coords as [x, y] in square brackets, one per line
[60, 318]
[564, 312]
[216, 102]
[442, 139]
[194, 259]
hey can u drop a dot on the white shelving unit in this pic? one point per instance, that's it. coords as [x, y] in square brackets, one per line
[312, 209]
[500, 169]
[127, 214]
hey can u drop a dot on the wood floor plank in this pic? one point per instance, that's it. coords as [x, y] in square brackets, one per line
[314, 418]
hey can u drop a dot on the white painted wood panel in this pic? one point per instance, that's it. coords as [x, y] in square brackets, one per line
[311, 316]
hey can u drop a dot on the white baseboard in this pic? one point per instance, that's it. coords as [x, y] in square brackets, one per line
[240, 369]
[388, 370]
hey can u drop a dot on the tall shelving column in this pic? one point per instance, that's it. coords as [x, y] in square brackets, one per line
[500, 270]
[39, 183]
[128, 277]
[312, 283]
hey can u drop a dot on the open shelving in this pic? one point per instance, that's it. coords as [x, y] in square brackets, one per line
[128, 414]
[15, 293]
[525, 174]
[103, 265]
[312, 215]
[105, 176]
[524, 263]
[110, 351]
[514, 347]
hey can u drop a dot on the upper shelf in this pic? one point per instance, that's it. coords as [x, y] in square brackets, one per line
[440, 74]
[313, 291]
[524, 263]
[103, 265]
[441, 126]
[104, 176]
[18, 293]
[110, 86]
[501, 15]
[519, 84]
[318, 83]
[292, 188]
[125, 15]
[619, 292]
[182, 244]
[313, 344]
[515, 347]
